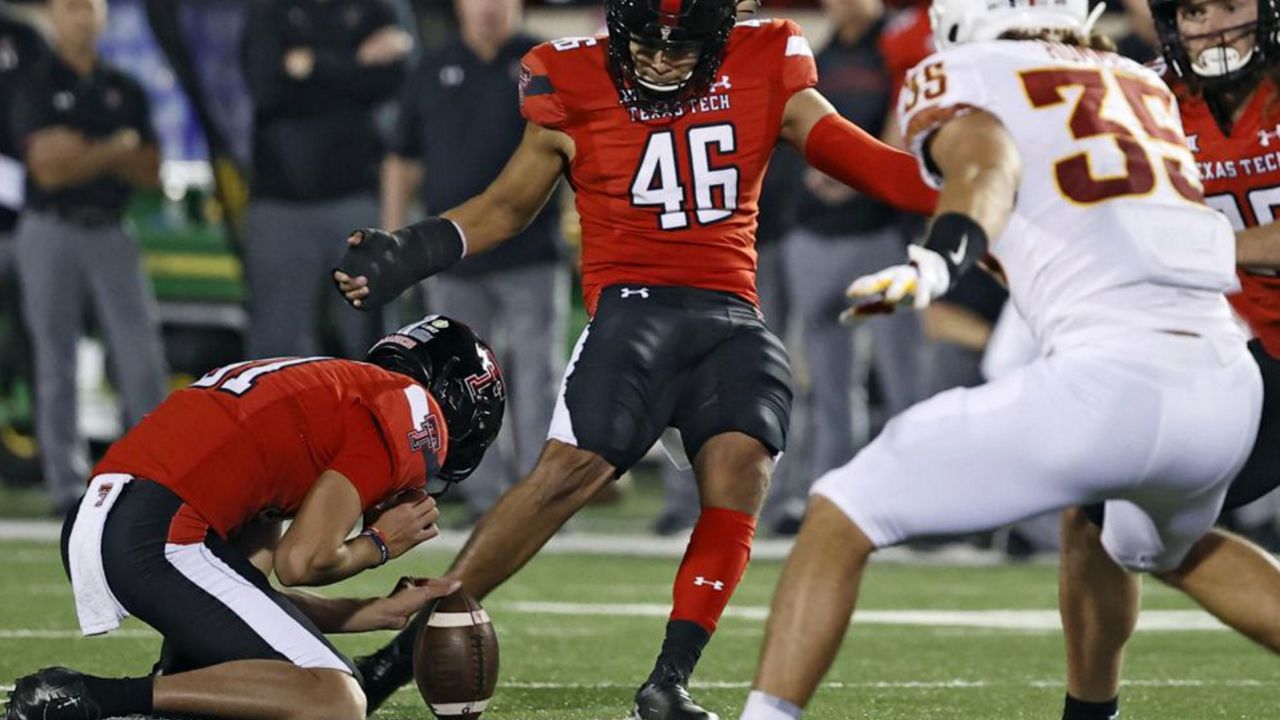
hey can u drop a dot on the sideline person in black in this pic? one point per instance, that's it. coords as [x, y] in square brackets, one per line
[316, 70]
[21, 47]
[88, 143]
[459, 122]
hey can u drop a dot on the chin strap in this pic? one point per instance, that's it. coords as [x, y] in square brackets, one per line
[1094, 16]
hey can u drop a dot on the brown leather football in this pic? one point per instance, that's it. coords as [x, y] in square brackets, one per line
[455, 658]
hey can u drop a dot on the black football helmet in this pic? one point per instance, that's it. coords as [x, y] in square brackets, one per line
[1219, 68]
[703, 25]
[462, 374]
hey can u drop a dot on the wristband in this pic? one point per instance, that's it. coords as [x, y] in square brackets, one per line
[959, 241]
[375, 535]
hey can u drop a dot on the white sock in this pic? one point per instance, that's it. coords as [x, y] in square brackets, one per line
[763, 706]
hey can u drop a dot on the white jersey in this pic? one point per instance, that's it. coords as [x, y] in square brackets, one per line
[1109, 232]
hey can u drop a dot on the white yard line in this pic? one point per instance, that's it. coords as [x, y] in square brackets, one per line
[574, 543]
[1024, 620]
[885, 685]
[1011, 620]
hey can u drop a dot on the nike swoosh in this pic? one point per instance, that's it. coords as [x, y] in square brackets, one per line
[957, 255]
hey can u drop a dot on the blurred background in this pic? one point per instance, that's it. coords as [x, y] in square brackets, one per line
[282, 124]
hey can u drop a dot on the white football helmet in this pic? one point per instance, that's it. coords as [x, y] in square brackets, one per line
[964, 21]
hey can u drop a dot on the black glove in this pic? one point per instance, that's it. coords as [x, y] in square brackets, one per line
[393, 262]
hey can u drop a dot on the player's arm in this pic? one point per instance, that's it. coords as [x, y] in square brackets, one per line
[980, 169]
[1259, 247]
[380, 265]
[849, 154]
[354, 615]
[316, 549]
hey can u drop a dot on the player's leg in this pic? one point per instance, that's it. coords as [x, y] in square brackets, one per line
[1236, 582]
[733, 416]
[254, 654]
[605, 419]
[810, 612]
[1099, 602]
[966, 460]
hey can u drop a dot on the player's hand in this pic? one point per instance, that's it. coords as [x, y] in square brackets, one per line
[354, 287]
[918, 283]
[384, 47]
[299, 63]
[408, 525]
[412, 595]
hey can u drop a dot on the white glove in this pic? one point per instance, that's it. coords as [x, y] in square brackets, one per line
[918, 283]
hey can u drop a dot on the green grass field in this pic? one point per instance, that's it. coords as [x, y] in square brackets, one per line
[579, 632]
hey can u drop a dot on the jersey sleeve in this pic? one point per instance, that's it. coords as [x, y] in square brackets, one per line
[944, 86]
[539, 101]
[798, 68]
[364, 458]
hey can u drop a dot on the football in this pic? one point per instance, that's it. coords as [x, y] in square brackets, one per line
[455, 658]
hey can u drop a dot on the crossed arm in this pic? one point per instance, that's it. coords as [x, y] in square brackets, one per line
[59, 157]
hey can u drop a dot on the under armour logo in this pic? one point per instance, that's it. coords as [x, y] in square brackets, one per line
[1266, 136]
[1193, 143]
[721, 84]
[642, 292]
[717, 585]
[666, 33]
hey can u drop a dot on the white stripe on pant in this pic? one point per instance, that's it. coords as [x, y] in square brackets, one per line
[199, 565]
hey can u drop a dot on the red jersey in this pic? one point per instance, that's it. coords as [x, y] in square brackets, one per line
[252, 438]
[670, 199]
[1241, 174]
[907, 39]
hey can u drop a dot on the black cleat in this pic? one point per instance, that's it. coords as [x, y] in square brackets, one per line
[382, 674]
[54, 693]
[668, 699]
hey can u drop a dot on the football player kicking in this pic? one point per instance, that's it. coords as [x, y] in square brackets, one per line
[1221, 57]
[1069, 164]
[665, 129]
[181, 526]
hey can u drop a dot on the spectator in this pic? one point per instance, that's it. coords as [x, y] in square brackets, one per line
[1141, 42]
[459, 122]
[21, 47]
[840, 231]
[316, 70]
[89, 143]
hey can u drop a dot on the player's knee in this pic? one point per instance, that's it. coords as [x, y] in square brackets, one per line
[733, 472]
[565, 472]
[338, 696]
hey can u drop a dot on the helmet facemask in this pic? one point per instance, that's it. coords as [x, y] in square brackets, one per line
[1219, 66]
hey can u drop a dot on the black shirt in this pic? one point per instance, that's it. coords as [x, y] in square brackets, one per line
[461, 117]
[20, 48]
[853, 77]
[96, 105]
[315, 139]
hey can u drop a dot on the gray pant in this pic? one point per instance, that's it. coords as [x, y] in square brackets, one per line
[58, 264]
[819, 269]
[522, 313]
[290, 252]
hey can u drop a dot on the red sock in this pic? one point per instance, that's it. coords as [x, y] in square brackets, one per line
[713, 564]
